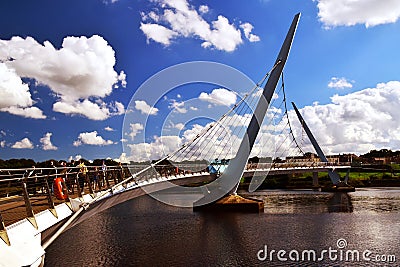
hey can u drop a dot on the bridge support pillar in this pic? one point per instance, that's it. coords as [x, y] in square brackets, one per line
[315, 181]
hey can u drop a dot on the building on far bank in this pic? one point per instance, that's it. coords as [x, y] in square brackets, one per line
[311, 157]
[349, 157]
[308, 157]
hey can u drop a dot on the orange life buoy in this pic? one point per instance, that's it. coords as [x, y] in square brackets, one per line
[58, 189]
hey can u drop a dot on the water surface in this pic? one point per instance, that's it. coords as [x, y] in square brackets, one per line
[145, 232]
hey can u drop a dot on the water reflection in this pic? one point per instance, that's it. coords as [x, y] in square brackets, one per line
[306, 201]
[213, 228]
[340, 202]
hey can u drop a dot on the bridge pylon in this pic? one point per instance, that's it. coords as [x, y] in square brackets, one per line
[230, 178]
[338, 185]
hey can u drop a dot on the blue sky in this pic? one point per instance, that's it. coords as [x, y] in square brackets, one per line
[70, 69]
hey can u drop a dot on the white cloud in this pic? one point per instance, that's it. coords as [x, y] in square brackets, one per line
[194, 108]
[29, 112]
[224, 142]
[191, 133]
[94, 111]
[158, 33]
[13, 92]
[237, 120]
[2, 144]
[155, 150]
[15, 97]
[110, 1]
[91, 138]
[117, 108]
[352, 12]
[224, 36]
[135, 128]
[24, 143]
[180, 19]
[356, 122]
[172, 126]
[76, 158]
[122, 78]
[203, 9]
[152, 16]
[178, 107]
[82, 68]
[144, 108]
[179, 126]
[46, 142]
[109, 129]
[247, 28]
[122, 158]
[219, 96]
[340, 83]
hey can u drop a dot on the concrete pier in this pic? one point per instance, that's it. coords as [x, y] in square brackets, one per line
[340, 187]
[233, 203]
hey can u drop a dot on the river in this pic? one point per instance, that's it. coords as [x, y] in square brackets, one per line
[308, 228]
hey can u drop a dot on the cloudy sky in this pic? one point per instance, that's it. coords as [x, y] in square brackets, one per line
[71, 70]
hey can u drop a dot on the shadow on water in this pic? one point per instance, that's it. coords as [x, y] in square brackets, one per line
[340, 202]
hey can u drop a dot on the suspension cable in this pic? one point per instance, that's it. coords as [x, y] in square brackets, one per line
[287, 115]
[188, 144]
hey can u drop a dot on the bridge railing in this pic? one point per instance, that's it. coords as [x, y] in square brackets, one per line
[288, 165]
[25, 192]
[28, 191]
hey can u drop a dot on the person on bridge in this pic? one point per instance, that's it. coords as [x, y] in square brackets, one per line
[96, 180]
[82, 174]
[52, 175]
[103, 177]
[120, 172]
[71, 177]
